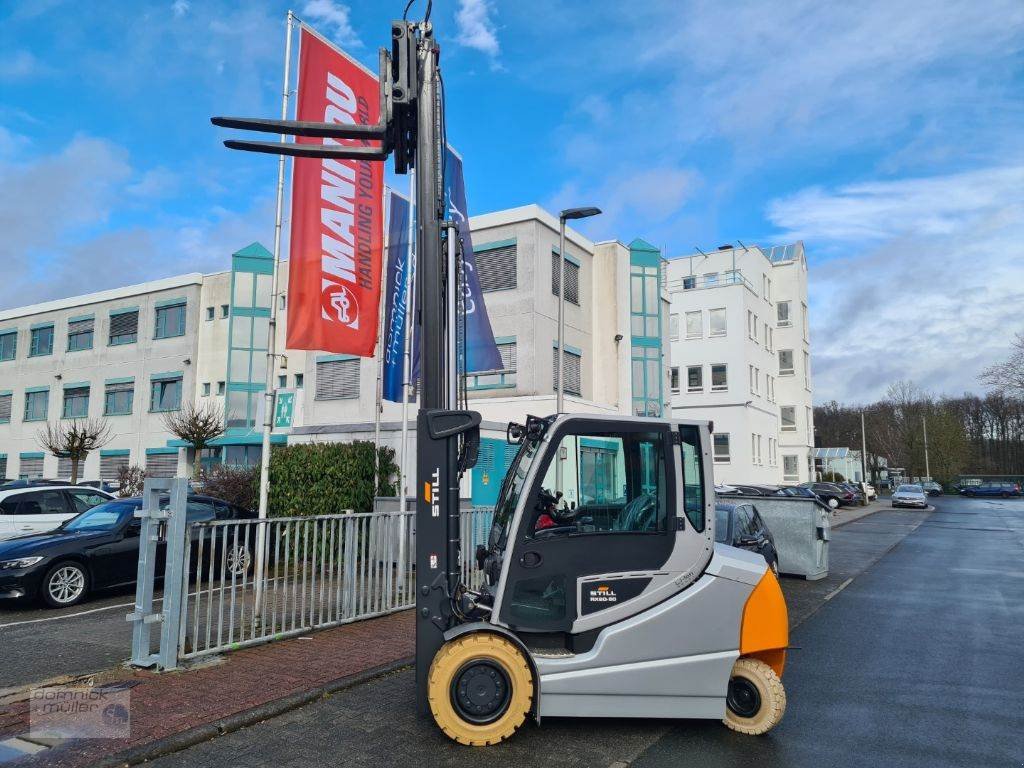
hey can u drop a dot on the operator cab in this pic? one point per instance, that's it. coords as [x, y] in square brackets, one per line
[598, 519]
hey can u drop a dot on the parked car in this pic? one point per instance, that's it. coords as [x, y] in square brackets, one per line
[831, 494]
[35, 508]
[932, 488]
[746, 489]
[854, 488]
[95, 550]
[1004, 490]
[910, 496]
[103, 485]
[739, 525]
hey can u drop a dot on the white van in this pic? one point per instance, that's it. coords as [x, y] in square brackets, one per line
[27, 509]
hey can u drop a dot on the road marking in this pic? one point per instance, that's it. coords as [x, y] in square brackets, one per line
[838, 589]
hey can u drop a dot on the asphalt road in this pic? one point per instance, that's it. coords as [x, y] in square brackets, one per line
[915, 662]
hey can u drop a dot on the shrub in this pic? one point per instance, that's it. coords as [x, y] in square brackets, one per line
[832, 477]
[130, 480]
[235, 485]
[328, 478]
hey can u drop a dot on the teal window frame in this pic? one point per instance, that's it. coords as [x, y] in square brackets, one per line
[34, 397]
[123, 338]
[8, 341]
[114, 399]
[500, 379]
[170, 321]
[157, 390]
[645, 315]
[81, 340]
[40, 343]
[76, 404]
[300, 380]
[206, 389]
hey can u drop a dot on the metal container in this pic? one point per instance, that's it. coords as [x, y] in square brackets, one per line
[800, 528]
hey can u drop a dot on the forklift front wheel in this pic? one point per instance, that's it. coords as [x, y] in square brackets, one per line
[480, 689]
[756, 699]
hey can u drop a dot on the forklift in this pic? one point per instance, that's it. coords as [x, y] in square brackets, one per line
[606, 594]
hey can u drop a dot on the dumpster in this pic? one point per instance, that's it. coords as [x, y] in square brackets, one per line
[800, 528]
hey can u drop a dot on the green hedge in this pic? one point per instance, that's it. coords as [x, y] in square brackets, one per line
[328, 478]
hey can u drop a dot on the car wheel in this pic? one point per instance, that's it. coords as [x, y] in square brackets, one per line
[1004, 495]
[756, 700]
[65, 584]
[238, 561]
[833, 503]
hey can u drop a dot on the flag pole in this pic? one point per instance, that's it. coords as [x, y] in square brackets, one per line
[410, 325]
[268, 394]
[379, 392]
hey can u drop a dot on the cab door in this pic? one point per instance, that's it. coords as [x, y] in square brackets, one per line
[616, 514]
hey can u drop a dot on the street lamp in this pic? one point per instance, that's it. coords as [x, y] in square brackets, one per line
[568, 213]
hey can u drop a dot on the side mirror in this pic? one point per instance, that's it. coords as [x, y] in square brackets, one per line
[133, 529]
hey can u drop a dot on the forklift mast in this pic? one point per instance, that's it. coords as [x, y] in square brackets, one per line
[411, 129]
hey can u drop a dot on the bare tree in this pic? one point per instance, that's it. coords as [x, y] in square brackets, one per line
[1007, 377]
[74, 440]
[198, 424]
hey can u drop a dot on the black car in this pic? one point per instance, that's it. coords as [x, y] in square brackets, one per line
[746, 489]
[739, 525]
[832, 494]
[97, 549]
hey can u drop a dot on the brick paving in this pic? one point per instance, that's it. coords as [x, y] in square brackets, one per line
[164, 704]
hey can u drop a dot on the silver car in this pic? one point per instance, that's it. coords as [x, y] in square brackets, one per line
[910, 496]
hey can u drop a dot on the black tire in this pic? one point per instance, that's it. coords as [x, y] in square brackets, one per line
[65, 584]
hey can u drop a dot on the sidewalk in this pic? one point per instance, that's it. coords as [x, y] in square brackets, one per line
[845, 515]
[253, 683]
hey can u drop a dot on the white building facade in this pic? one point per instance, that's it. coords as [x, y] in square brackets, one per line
[131, 355]
[740, 351]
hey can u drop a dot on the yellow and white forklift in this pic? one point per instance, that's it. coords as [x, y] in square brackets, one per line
[606, 593]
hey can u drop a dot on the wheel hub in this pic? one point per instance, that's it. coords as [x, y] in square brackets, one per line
[743, 698]
[481, 691]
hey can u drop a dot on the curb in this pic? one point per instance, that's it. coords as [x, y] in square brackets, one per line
[200, 733]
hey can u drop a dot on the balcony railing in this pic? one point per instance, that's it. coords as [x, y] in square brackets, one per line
[700, 282]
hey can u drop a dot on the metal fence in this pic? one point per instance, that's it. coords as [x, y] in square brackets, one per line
[318, 572]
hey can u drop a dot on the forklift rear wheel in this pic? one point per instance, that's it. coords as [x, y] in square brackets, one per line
[480, 689]
[756, 699]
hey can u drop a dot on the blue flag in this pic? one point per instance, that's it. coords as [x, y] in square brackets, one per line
[395, 321]
[481, 351]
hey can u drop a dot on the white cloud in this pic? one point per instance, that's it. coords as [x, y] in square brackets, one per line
[929, 284]
[475, 27]
[180, 7]
[17, 65]
[336, 16]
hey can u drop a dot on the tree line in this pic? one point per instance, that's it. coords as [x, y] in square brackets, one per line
[975, 434]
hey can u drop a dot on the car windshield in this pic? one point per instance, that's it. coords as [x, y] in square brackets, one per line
[104, 517]
[909, 489]
[511, 490]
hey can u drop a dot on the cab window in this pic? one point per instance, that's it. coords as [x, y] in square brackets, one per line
[693, 476]
[604, 484]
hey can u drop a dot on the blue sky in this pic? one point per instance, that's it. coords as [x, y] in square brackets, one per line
[889, 136]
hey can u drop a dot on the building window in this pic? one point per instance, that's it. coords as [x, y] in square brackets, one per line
[753, 380]
[298, 380]
[718, 327]
[694, 325]
[673, 327]
[767, 281]
[282, 302]
[571, 384]
[647, 384]
[785, 362]
[503, 378]
[32, 469]
[41, 342]
[37, 405]
[6, 400]
[223, 310]
[769, 338]
[674, 379]
[111, 464]
[496, 268]
[782, 310]
[162, 464]
[80, 333]
[810, 425]
[76, 403]
[710, 279]
[337, 379]
[117, 398]
[165, 394]
[572, 279]
[719, 377]
[720, 441]
[807, 370]
[787, 413]
[124, 327]
[804, 321]
[243, 455]
[695, 378]
[3, 465]
[790, 468]
[282, 381]
[689, 283]
[8, 345]
[206, 389]
[645, 304]
[220, 387]
[170, 321]
[211, 312]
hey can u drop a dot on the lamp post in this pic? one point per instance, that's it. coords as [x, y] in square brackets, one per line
[568, 213]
